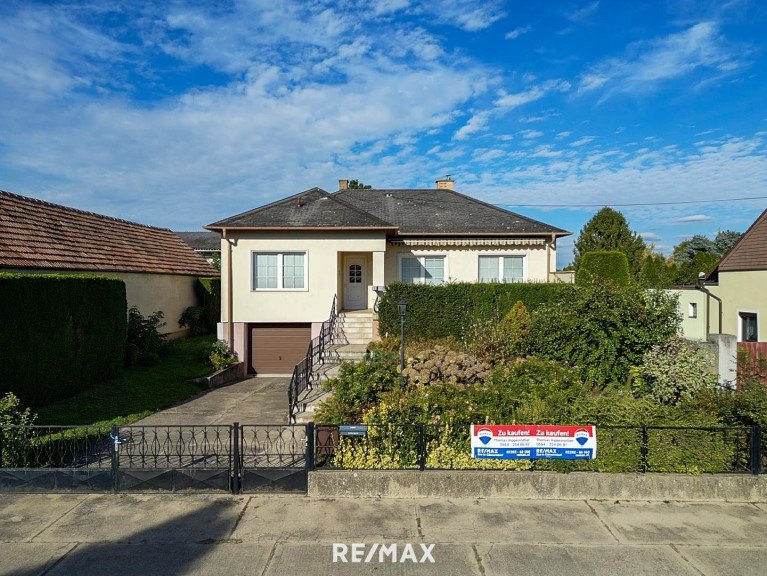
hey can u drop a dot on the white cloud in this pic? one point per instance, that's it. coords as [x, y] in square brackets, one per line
[529, 134]
[582, 14]
[517, 32]
[511, 101]
[651, 236]
[583, 141]
[475, 124]
[648, 64]
[693, 218]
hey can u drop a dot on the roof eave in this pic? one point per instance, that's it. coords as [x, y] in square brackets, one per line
[294, 228]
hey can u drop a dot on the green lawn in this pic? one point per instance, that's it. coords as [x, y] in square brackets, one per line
[138, 391]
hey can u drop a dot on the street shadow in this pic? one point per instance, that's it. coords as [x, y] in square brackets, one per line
[177, 545]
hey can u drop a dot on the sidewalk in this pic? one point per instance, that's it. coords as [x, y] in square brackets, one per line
[270, 535]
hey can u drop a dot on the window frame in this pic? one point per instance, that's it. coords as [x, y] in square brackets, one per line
[742, 314]
[500, 257]
[692, 309]
[421, 257]
[280, 270]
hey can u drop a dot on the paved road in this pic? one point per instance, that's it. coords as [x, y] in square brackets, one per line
[252, 401]
[272, 535]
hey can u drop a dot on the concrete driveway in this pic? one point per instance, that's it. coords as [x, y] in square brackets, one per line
[266, 535]
[261, 400]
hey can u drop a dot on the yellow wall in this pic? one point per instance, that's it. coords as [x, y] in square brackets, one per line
[693, 328]
[742, 292]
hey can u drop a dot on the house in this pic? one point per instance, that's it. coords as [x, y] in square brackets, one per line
[159, 270]
[206, 244]
[284, 265]
[729, 306]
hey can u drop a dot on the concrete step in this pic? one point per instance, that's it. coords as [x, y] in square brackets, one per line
[352, 352]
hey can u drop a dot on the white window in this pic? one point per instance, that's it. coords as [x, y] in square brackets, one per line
[422, 269]
[501, 269]
[692, 310]
[279, 271]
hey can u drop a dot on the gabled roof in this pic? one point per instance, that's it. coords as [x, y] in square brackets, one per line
[748, 253]
[312, 208]
[38, 234]
[201, 241]
[443, 212]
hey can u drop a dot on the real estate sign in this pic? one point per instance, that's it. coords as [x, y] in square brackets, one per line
[531, 442]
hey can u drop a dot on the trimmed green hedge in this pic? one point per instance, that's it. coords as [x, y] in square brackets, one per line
[607, 265]
[209, 294]
[59, 334]
[440, 311]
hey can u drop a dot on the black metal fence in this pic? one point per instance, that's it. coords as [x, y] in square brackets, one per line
[278, 457]
[319, 352]
[216, 458]
[620, 449]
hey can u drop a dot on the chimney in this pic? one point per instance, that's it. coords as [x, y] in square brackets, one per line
[343, 184]
[445, 183]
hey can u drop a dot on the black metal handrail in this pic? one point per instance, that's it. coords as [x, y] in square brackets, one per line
[316, 354]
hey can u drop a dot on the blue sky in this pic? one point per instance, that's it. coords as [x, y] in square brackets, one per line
[180, 113]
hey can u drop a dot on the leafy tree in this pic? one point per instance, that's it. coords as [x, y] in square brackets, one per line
[603, 266]
[657, 271]
[685, 252]
[605, 331]
[725, 240]
[687, 273]
[358, 185]
[608, 230]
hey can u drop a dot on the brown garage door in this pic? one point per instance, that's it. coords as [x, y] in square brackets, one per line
[277, 348]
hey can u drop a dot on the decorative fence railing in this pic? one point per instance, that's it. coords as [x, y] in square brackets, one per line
[620, 449]
[317, 353]
[278, 457]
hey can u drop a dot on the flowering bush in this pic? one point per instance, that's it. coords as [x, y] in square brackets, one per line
[445, 365]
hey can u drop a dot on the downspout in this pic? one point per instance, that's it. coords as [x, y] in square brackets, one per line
[708, 306]
[229, 292]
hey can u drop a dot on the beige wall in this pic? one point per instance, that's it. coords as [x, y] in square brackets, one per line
[170, 293]
[742, 292]
[462, 263]
[309, 305]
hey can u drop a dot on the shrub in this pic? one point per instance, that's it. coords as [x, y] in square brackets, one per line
[194, 318]
[209, 295]
[59, 334]
[144, 336]
[449, 310]
[515, 328]
[220, 356]
[605, 330]
[357, 388]
[14, 442]
[611, 266]
[675, 370]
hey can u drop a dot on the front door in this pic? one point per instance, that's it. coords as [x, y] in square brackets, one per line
[355, 286]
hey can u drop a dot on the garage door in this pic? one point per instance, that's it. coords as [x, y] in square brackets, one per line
[277, 348]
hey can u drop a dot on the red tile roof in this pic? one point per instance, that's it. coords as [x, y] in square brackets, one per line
[38, 234]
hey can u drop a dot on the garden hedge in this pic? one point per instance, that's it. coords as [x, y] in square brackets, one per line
[209, 294]
[59, 334]
[440, 311]
[606, 265]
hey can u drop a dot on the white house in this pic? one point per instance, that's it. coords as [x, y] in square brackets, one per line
[284, 265]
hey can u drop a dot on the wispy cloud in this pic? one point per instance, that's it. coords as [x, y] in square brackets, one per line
[648, 64]
[651, 236]
[693, 218]
[511, 101]
[582, 14]
[517, 32]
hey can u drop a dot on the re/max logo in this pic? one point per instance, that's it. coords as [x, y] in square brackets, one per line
[359, 552]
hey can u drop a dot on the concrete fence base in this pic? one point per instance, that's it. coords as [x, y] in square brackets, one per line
[537, 485]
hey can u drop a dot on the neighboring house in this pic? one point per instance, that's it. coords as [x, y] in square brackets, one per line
[158, 269]
[206, 244]
[740, 282]
[729, 307]
[284, 264]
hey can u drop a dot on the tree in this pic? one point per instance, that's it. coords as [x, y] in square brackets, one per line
[699, 254]
[685, 252]
[608, 230]
[725, 240]
[358, 185]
